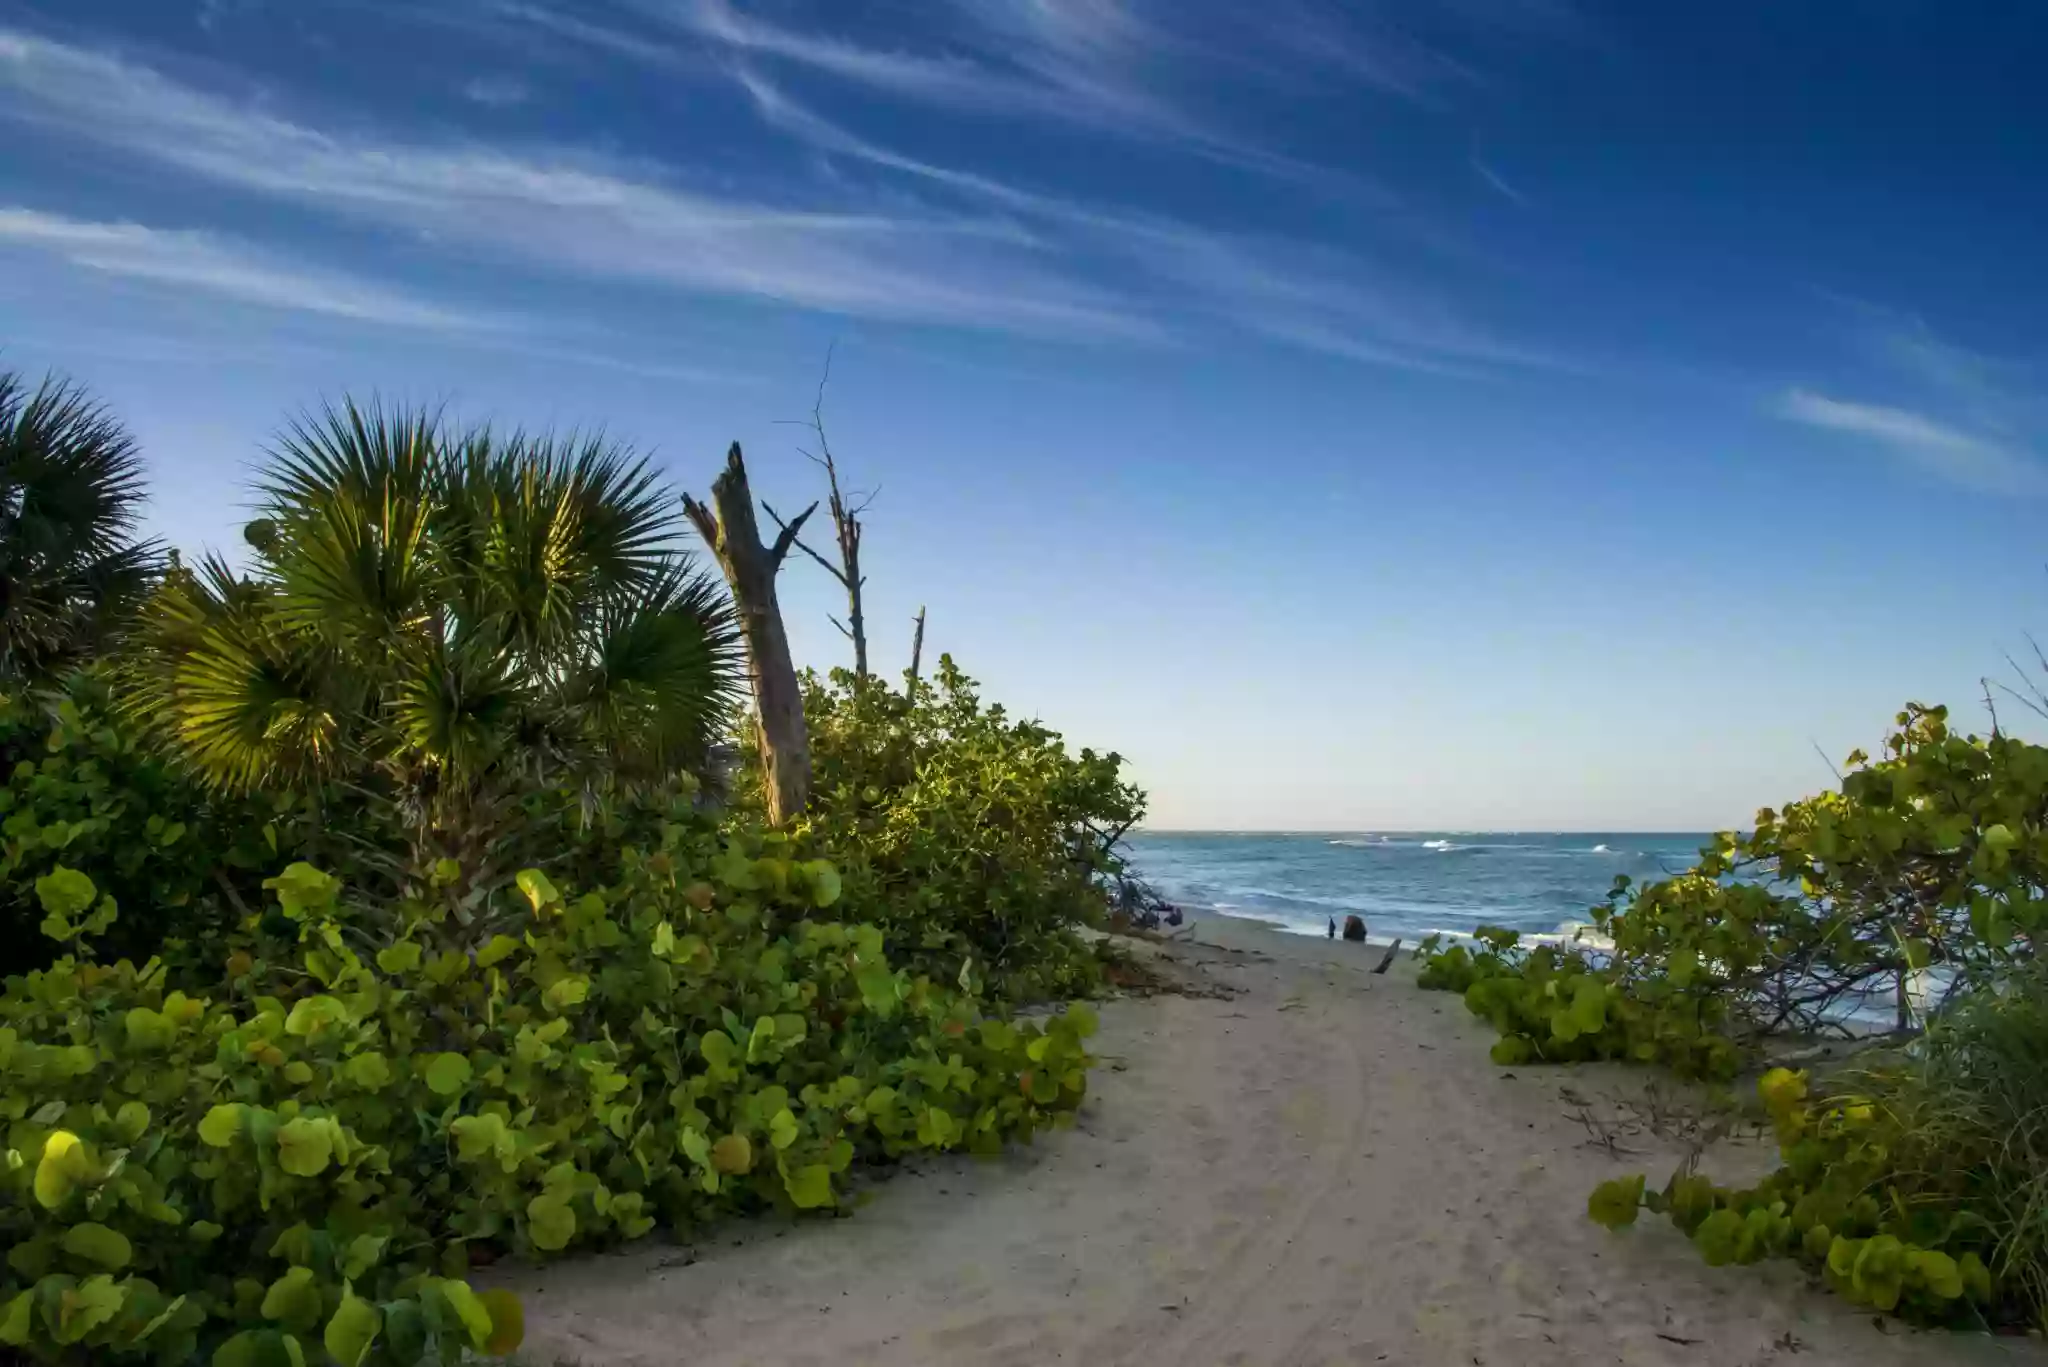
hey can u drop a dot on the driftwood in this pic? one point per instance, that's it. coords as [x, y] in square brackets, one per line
[1387, 959]
[730, 530]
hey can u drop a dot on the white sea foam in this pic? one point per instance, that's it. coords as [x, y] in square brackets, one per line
[1439, 845]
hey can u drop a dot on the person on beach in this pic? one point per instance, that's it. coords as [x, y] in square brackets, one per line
[1333, 927]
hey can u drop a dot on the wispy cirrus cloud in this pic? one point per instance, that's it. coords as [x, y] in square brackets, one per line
[1290, 292]
[563, 210]
[1955, 455]
[496, 91]
[909, 240]
[223, 268]
[1974, 419]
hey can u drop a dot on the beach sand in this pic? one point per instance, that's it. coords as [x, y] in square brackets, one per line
[1322, 1168]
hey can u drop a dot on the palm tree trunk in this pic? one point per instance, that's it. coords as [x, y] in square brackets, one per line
[729, 528]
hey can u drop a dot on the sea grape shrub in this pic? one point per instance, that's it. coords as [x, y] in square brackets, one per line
[1554, 1004]
[1842, 1204]
[1934, 856]
[82, 790]
[1929, 865]
[977, 842]
[311, 1153]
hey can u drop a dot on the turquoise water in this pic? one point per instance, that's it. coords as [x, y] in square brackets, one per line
[1404, 884]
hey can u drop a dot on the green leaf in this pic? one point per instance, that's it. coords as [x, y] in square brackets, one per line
[1976, 1278]
[311, 1015]
[368, 1071]
[65, 892]
[782, 1130]
[1719, 1238]
[733, 1155]
[294, 1300]
[15, 1321]
[352, 1329]
[718, 1050]
[566, 992]
[824, 881]
[62, 1167]
[361, 1254]
[403, 957]
[96, 1244]
[810, 1187]
[477, 1136]
[877, 988]
[83, 1309]
[476, 1321]
[305, 1145]
[550, 1223]
[1938, 1272]
[1614, 1203]
[132, 1120]
[448, 1074]
[538, 889]
[304, 891]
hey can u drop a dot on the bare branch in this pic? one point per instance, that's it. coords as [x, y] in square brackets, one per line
[788, 536]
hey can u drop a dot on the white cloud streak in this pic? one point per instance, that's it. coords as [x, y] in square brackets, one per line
[991, 256]
[217, 266]
[564, 210]
[1951, 453]
[1498, 183]
[1288, 292]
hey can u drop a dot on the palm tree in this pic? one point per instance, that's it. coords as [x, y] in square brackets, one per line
[449, 623]
[71, 494]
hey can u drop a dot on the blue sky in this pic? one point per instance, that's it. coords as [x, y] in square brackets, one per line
[1488, 413]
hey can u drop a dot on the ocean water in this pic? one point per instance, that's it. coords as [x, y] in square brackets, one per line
[1405, 885]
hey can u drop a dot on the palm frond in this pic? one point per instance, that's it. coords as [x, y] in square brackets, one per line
[353, 495]
[71, 492]
[664, 673]
[244, 699]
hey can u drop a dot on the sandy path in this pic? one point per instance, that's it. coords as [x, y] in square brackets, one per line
[1323, 1170]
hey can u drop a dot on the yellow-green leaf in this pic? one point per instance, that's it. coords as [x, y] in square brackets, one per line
[810, 1187]
[96, 1244]
[402, 957]
[294, 1300]
[304, 1146]
[448, 1074]
[538, 889]
[550, 1223]
[222, 1124]
[15, 1322]
[132, 1120]
[63, 1166]
[368, 1071]
[352, 1329]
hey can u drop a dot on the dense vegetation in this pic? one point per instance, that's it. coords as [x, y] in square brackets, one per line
[1900, 913]
[980, 838]
[389, 907]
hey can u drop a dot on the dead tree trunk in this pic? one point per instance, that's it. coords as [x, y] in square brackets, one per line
[917, 647]
[846, 527]
[730, 530]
